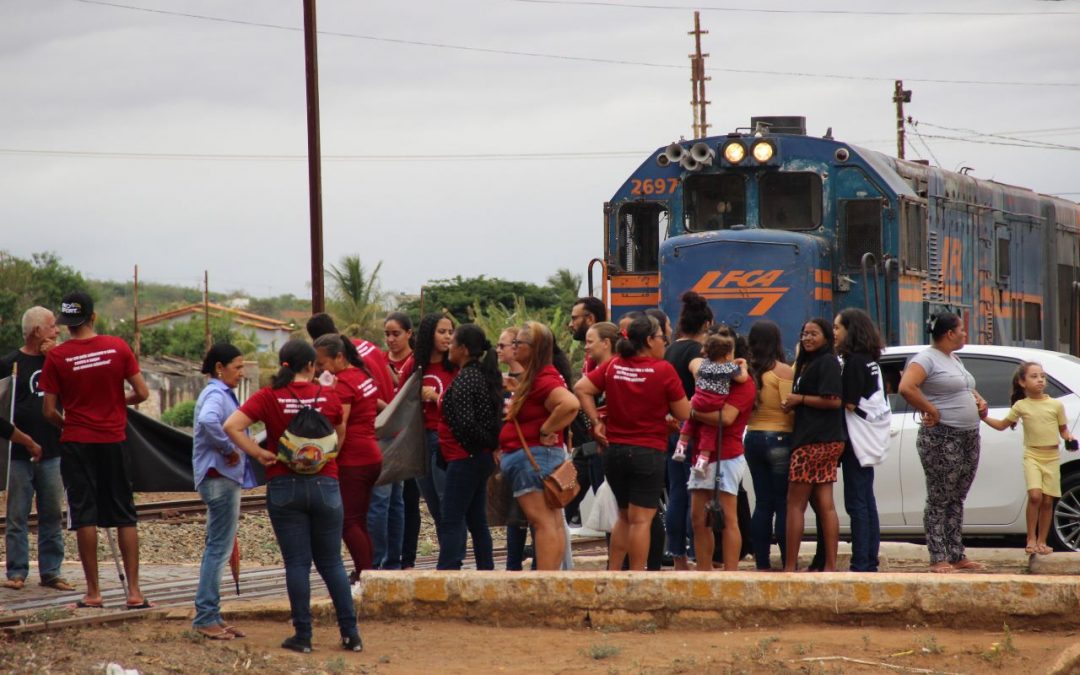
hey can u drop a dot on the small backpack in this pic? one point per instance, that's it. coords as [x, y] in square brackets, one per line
[309, 442]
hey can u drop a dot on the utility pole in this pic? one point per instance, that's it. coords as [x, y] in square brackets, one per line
[138, 333]
[311, 63]
[697, 80]
[900, 97]
[206, 307]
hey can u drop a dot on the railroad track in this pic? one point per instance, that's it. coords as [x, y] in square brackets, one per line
[177, 509]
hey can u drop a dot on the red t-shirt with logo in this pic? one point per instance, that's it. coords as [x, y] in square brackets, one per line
[436, 375]
[88, 376]
[354, 388]
[638, 392]
[533, 413]
[377, 365]
[276, 407]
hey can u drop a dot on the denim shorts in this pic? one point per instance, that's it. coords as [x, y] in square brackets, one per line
[731, 475]
[523, 477]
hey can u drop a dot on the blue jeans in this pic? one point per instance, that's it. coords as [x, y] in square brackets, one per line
[434, 483]
[307, 516]
[464, 504]
[861, 507]
[222, 499]
[768, 454]
[680, 535]
[386, 525]
[26, 478]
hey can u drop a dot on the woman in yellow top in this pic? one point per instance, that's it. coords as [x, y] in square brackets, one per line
[1044, 419]
[768, 441]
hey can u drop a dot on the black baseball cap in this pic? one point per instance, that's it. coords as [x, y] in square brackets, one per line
[76, 308]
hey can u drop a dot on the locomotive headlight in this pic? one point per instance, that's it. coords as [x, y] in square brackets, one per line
[735, 152]
[763, 151]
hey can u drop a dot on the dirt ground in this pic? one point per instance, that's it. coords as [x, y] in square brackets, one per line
[160, 646]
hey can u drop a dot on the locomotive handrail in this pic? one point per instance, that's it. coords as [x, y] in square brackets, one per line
[1074, 332]
[870, 261]
[603, 284]
[887, 262]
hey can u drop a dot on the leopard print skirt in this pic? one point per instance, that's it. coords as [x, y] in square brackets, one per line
[815, 463]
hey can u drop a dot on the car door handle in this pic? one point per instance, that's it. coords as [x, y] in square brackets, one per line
[894, 433]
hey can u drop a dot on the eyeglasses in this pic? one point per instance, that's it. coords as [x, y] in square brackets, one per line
[502, 345]
[520, 342]
[576, 317]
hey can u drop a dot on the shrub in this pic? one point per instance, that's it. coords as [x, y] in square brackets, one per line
[180, 415]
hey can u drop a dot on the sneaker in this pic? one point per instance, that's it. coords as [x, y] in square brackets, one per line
[297, 644]
[353, 643]
[680, 452]
[701, 467]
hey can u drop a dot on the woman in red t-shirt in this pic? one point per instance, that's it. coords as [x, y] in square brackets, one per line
[436, 372]
[305, 509]
[359, 460]
[398, 330]
[641, 388]
[540, 408]
[394, 513]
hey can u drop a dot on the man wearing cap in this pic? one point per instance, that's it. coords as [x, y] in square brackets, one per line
[85, 375]
[27, 476]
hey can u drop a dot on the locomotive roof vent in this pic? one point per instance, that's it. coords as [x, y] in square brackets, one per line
[779, 125]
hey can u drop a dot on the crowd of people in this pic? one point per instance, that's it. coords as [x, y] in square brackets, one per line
[665, 417]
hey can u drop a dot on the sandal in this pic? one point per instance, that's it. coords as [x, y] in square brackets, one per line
[145, 604]
[942, 568]
[1031, 549]
[215, 632]
[1043, 549]
[81, 603]
[968, 564]
[233, 630]
[57, 583]
[15, 584]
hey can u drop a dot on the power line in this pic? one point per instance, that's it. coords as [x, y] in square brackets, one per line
[762, 10]
[493, 156]
[979, 134]
[968, 139]
[564, 57]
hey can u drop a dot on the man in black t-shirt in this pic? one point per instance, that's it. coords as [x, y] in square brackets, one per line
[27, 477]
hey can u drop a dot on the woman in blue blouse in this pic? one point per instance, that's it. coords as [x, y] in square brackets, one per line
[221, 471]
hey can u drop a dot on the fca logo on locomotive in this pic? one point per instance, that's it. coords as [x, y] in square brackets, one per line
[743, 284]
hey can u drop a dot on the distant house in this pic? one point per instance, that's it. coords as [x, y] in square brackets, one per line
[270, 334]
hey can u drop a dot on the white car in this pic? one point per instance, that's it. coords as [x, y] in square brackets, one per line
[997, 499]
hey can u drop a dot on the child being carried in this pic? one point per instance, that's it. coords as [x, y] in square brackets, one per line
[713, 379]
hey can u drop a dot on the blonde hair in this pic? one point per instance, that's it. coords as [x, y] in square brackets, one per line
[542, 350]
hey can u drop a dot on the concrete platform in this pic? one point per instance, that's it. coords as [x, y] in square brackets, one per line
[719, 599]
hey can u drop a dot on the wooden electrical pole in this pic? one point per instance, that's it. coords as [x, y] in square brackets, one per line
[697, 80]
[900, 97]
[138, 333]
[206, 307]
[311, 62]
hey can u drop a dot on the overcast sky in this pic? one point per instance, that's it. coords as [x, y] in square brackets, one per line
[99, 98]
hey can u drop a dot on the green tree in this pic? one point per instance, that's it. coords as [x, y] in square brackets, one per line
[357, 304]
[42, 280]
[566, 285]
[458, 294]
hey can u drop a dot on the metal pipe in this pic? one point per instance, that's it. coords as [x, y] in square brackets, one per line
[866, 266]
[885, 265]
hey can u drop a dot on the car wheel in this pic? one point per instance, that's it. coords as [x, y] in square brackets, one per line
[1065, 530]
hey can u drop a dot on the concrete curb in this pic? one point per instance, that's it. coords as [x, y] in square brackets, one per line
[1068, 663]
[674, 599]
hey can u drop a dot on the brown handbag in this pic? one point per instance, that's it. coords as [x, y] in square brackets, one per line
[561, 485]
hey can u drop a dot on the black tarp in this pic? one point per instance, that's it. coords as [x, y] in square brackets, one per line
[158, 456]
[5, 413]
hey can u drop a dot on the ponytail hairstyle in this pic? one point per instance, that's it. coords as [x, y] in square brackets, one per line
[1018, 392]
[223, 353]
[541, 354]
[806, 357]
[635, 338]
[862, 335]
[607, 332]
[402, 319]
[425, 341]
[695, 315]
[940, 324]
[294, 357]
[334, 344]
[482, 352]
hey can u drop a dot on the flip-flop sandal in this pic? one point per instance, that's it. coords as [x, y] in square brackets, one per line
[14, 584]
[145, 604]
[82, 604]
[214, 633]
[58, 583]
[1043, 549]
[233, 630]
[942, 568]
[968, 564]
[1031, 550]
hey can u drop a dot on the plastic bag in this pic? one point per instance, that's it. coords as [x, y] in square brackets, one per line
[604, 511]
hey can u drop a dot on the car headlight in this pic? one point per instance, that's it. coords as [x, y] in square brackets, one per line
[763, 151]
[735, 152]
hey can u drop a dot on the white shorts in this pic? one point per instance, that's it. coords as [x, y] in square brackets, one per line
[731, 475]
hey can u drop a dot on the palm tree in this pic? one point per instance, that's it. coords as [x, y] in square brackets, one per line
[358, 300]
[567, 286]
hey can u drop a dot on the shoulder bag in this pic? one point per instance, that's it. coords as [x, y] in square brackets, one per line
[561, 485]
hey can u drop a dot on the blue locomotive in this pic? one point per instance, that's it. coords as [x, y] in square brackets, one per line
[767, 222]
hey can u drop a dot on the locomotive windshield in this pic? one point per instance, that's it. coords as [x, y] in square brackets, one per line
[790, 201]
[642, 226]
[714, 201]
